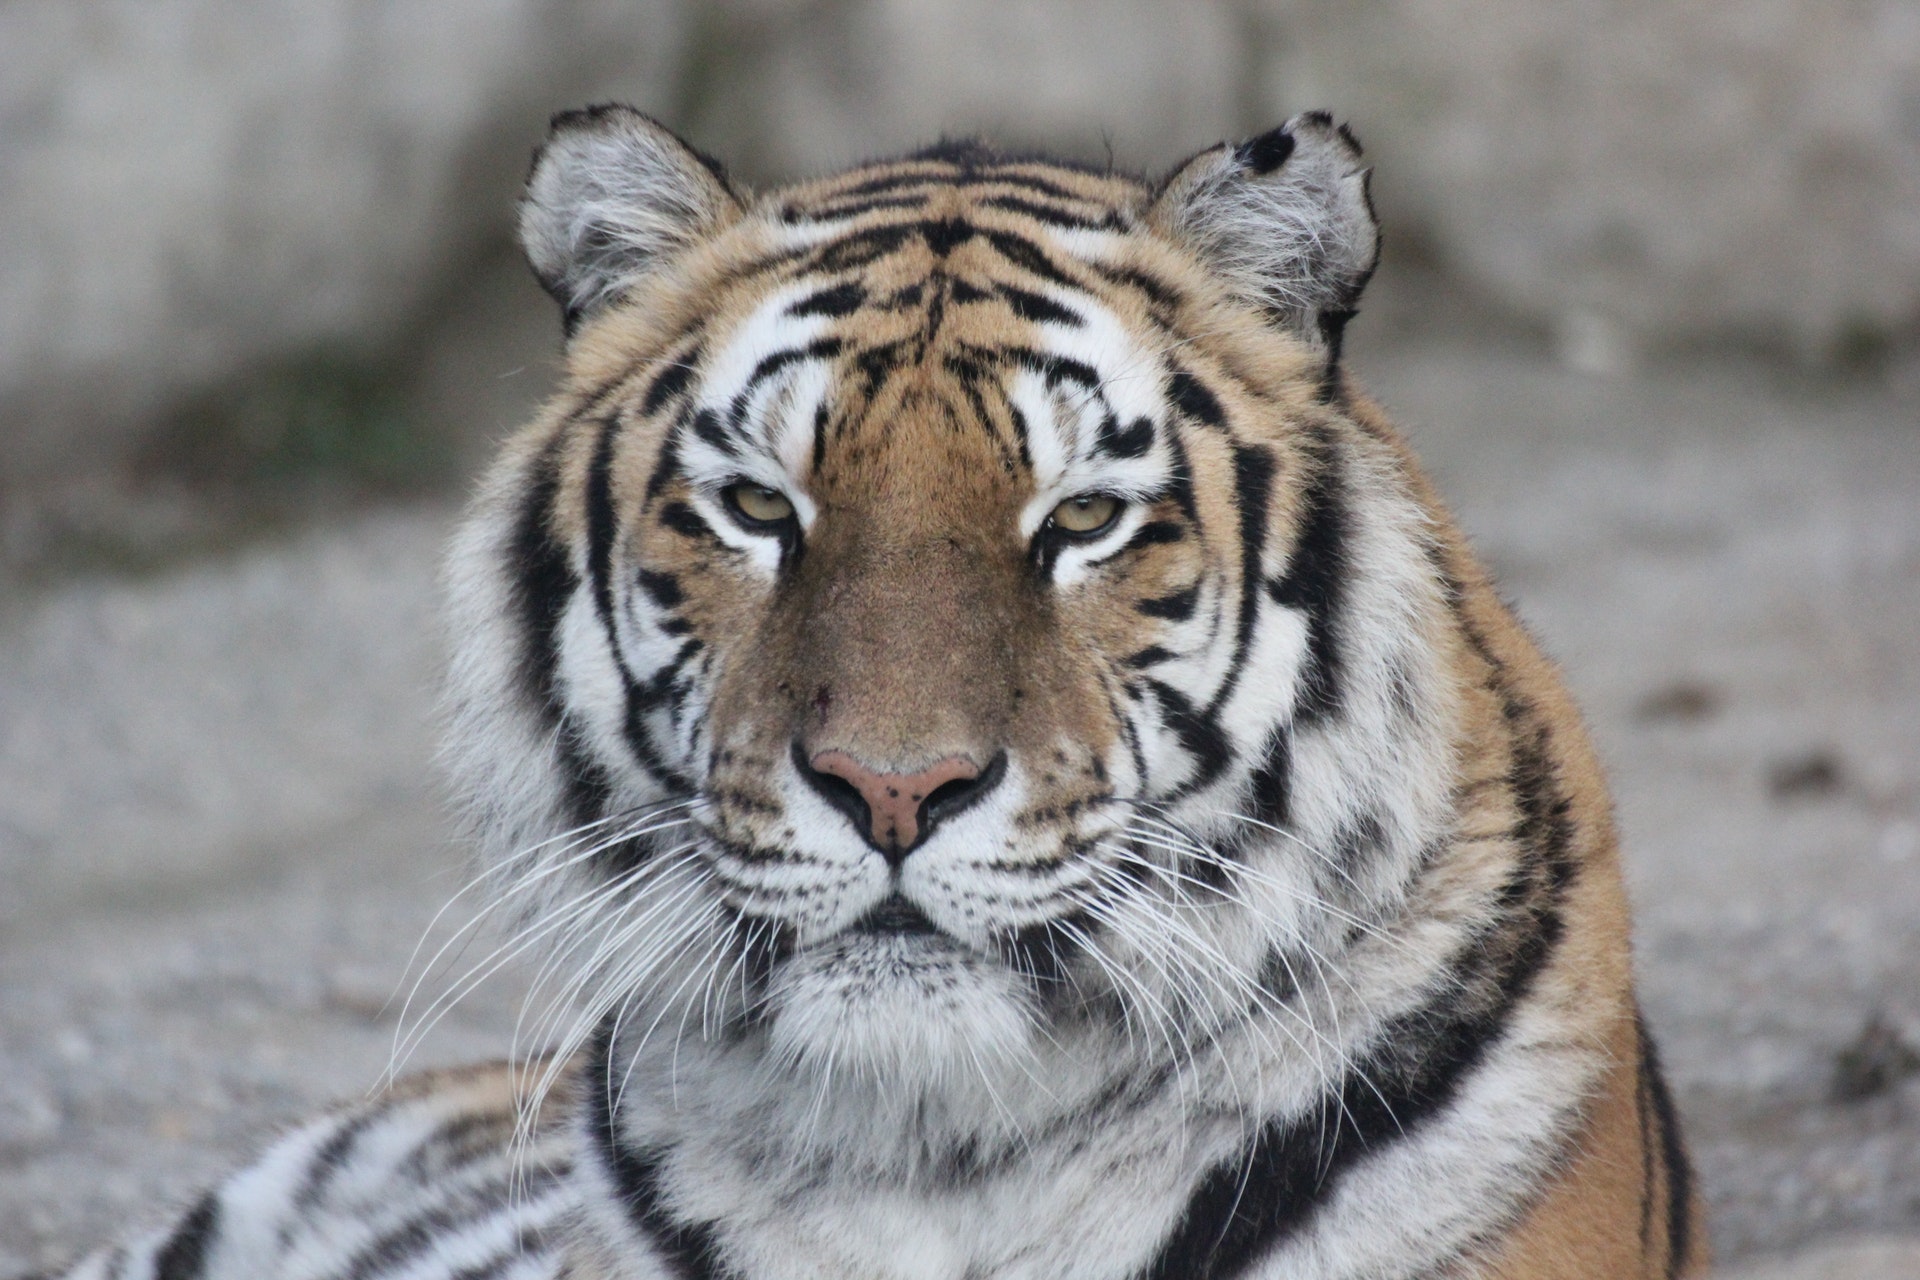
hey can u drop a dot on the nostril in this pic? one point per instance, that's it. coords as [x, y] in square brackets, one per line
[835, 790]
[954, 795]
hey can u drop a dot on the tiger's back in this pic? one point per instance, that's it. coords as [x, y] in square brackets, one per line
[1024, 775]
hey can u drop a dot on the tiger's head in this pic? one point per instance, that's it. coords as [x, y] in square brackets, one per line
[947, 613]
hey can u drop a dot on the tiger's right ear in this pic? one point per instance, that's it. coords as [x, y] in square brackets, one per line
[1285, 221]
[611, 195]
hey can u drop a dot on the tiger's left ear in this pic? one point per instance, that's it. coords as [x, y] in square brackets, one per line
[1285, 221]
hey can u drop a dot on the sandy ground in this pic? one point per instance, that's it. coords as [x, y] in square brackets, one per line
[220, 837]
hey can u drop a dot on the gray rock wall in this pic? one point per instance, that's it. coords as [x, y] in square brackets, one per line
[193, 189]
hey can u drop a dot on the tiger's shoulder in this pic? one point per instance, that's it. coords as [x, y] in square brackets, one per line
[437, 1176]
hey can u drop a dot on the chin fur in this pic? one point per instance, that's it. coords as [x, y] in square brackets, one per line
[913, 1010]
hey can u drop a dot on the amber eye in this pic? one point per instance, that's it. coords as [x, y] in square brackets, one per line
[756, 504]
[1086, 515]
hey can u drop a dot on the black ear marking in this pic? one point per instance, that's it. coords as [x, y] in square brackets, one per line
[1267, 152]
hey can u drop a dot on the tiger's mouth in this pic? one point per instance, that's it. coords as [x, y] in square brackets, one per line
[895, 916]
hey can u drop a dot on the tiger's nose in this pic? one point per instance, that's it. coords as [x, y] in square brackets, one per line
[896, 810]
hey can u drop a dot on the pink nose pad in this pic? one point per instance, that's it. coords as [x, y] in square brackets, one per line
[895, 801]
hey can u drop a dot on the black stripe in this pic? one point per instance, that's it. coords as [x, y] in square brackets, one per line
[1155, 532]
[1253, 469]
[1271, 799]
[951, 170]
[849, 208]
[526, 1242]
[601, 526]
[838, 300]
[683, 519]
[858, 248]
[1315, 584]
[184, 1256]
[1180, 481]
[1199, 733]
[1130, 441]
[1130, 731]
[1028, 256]
[876, 363]
[542, 581]
[669, 382]
[600, 530]
[970, 377]
[1033, 183]
[326, 1161]
[1054, 368]
[706, 425]
[667, 465]
[926, 175]
[662, 589]
[819, 348]
[1039, 308]
[1177, 607]
[688, 1251]
[1055, 216]
[1673, 1156]
[1151, 656]
[945, 235]
[1191, 397]
[1019, 421]
[1158, 292]
[1246, 1207]
[424, 1233]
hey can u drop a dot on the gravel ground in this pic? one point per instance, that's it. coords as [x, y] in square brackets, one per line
[220, 837]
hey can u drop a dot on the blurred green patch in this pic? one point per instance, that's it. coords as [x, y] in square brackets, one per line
[1863, 345]
[324, 421]
[295, 442]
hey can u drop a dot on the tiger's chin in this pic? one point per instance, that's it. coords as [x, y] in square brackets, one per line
[911, 1011]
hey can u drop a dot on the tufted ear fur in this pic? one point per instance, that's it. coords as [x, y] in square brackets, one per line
[1284, 219]
[612, 194]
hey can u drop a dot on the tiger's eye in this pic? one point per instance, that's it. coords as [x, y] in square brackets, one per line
[1086, 515]
[757, 503]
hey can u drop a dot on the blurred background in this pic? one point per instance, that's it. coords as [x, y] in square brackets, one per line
[1650, 307]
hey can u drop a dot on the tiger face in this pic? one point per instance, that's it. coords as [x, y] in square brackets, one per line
[908, 643]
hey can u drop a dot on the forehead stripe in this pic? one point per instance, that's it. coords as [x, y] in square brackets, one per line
[1192, 398]
[838, 300]
[1054, 216]
[1054, 368]
[706, 425]
[849, 209]
[669, 382]
[857, 248]
[1038, 308]
[1029, 256]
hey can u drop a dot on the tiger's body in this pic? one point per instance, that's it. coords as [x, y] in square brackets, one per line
[1020, 770]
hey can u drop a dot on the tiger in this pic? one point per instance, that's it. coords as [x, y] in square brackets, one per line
[1015, 771]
